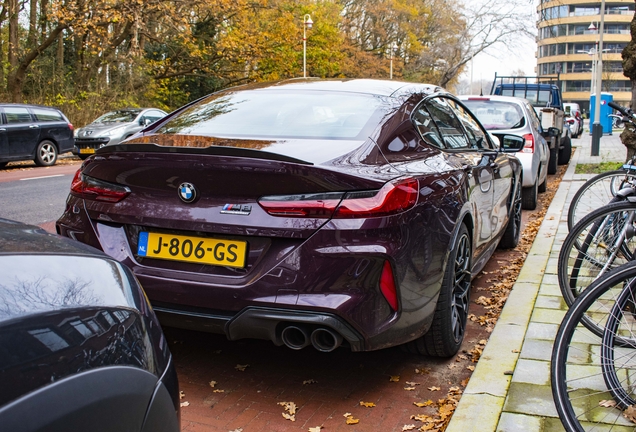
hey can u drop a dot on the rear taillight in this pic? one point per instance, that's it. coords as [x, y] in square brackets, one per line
[571, 121]
[528, 147]
[387, 285]
[87, 187]
[71, 127]
[394, 197]
[319, 206]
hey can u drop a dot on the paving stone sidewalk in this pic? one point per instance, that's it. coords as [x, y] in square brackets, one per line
[510, 388]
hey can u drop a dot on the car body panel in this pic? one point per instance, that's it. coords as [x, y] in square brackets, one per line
[69, 314]
[307, 270]
[23, 127]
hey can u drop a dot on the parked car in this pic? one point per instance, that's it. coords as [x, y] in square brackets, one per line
[307, 212]
[574, 119]
[513, 115]
[31, 132]
[80, 347]
[112, 128]
[544, 94]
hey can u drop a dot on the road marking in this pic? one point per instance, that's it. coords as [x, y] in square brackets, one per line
[41, 177]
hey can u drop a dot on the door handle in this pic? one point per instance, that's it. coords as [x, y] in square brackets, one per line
[3, 129]
[34, 127]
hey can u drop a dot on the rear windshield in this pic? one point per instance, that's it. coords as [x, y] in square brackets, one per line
[118, 116]
[279, 114]
[496, 115]
[538, 98]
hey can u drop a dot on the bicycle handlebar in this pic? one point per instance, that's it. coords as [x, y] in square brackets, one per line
[625, 111]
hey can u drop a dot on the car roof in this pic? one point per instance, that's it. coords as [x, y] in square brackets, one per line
[368, 86]
[513, 99]
[29, 106]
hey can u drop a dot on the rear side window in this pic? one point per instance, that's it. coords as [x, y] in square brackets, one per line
[17, 115]
[46, 115]
[426, 127]
[448, 124]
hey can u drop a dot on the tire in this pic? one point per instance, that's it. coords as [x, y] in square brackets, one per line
[3, 164]
[580, 357]
[510, 238]
[543, 186]
[566, 152]
[46, 154]
[602, 240]
[596, 192]
[552, 161]
[530, 196]
[446, 334]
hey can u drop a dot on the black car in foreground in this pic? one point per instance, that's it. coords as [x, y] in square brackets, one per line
[31, 132]
[80, 347]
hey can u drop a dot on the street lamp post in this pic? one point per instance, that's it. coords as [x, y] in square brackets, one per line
[307, 23]
[597, 128]
[394, 49]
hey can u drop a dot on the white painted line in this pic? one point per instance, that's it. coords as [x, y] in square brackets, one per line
[36, 178]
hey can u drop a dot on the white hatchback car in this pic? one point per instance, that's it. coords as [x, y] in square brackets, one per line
[506, 114]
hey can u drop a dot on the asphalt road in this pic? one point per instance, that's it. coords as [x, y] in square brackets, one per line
[34, 196]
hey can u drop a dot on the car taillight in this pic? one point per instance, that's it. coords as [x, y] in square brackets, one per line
[571, 121]
[71, 127]
[319, 206]
[394, 197]
[529, 145]
[87, 187]
[387, 285]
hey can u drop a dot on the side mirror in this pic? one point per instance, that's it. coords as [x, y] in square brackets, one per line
[553, 132]
[147, 121]
[510, 143]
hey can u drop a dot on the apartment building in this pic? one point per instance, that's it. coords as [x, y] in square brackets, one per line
[568, 46]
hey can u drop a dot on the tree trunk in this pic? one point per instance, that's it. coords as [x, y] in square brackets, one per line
[33, 24]
[12, 50]
[59, 56]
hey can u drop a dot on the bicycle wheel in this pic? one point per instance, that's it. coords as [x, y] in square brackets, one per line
[597, 192]
[602, 240]
[579, 377]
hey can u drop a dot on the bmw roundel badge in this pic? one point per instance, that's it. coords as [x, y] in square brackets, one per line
[187, 192]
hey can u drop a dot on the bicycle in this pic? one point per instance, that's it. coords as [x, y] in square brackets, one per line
[602, 188]
[592, 372]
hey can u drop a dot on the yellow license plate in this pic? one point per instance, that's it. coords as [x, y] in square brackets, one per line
[87, 150]
[200, 250]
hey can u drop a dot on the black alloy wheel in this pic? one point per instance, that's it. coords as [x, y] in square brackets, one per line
[461, 288]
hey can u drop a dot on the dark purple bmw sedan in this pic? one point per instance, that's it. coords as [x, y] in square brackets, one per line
[307, 212]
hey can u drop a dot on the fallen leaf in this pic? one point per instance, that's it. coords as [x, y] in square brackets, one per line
[237, 430]
[289, 417]
[509, 372]
[423, 404]
[516, 351]
[408, 427]
[409, 388]
[483, 342]
[241, 368]
[464, 383]
[352, 421]
[184, 404]
[630, 413]
[346, 415]
[607, 403]
[434, 388]
[470, 368]
[367, 404]
[218, 391]
[290, 407]
[423, 371]
[310, 381]
[411, 383]
[394, 378]
[315, 429]
[212, 384]
[181, 395]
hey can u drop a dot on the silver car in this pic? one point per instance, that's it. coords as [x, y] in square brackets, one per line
[506, 114]
[112, 128]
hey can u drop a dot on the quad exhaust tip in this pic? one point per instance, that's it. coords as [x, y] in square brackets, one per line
[323, 339]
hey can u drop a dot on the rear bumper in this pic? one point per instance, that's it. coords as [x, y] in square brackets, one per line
[258, 323]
